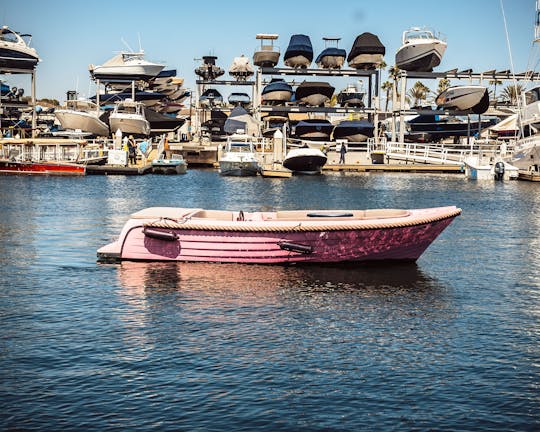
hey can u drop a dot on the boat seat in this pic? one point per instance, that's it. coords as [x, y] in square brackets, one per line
[164, 212]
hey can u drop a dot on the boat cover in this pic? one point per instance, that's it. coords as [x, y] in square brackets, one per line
[366, 43]
[332, 51]
[299, 44]
[241, 119]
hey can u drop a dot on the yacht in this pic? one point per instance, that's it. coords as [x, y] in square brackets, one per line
[83, 115]
[238, 157]
[268, 54]
[421, 50]
[367, 52]
[129, 117]
[128, 66]
[15, 52]
[299, 53]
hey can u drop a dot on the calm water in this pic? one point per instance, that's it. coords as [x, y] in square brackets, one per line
[451, 343]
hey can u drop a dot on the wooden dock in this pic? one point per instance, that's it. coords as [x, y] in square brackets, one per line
[531, 176]
[117, 170]
[420, 168]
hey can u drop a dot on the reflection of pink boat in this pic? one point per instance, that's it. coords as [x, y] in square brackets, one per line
[323, 236]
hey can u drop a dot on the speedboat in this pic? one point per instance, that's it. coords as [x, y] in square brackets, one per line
[313, 129]
[83, 115]
[353, 130]
[128, 66]
[268, 54]
[209, 71]
[331, 57]
[149, 99]
[314, 93]
[351, 96]
[129, 117]
[273, 122]
[240, 119]
[473, 98]
[240, 68]
[175, 165]
[299, 53]
[238, 98]
[15, 52]
[305, 160]
[238, 157]
[367, 52]
[211, 97]
[278, 237]
[421, 50]
[278, 91]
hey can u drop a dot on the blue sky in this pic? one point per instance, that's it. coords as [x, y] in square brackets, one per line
[69, 35]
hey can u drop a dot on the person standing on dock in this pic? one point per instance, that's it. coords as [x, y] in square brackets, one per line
[342, 152]
[132, 149]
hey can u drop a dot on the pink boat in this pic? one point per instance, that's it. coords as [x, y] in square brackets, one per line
[298, 236]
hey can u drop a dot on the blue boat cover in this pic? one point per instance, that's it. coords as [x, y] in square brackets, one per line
[299, 43]
[332, 51]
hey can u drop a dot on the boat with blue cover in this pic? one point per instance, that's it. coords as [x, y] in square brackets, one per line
[277, 91]
[299, 53]
[331, 57]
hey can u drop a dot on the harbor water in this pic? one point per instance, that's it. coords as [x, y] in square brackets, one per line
[449, 343]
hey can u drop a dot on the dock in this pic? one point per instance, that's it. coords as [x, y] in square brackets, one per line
[118, 170]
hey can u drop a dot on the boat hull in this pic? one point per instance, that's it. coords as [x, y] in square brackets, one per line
[420, 57]
[465, 98]
[265, 58]
[238, 169]
[15, 59]
[241, 239]
[127, 72]
[331, 62]
[298, 61]
[41, 168]
[305, 161]
[128, 125]
[366, 61]
[86, 122]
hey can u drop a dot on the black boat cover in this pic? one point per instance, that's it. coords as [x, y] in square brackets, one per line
[366, 43]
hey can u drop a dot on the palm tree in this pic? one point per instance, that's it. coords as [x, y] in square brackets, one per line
[494, 83]
[512, 92]
[444, 83]
[387, 87]
[418, 92]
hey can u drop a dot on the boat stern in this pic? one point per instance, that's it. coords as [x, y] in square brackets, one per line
[110, 253]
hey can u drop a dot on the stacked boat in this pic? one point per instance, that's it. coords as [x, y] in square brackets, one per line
[299, 53]
[331, 57]
[367, 52]
[473, 98]
[83, 115]
[209, 71]
[314, 93]
[240, 68]
[422, 49]
[129, 117]
[15, 51]
[277, 92]
[126, 66]
[267, 55]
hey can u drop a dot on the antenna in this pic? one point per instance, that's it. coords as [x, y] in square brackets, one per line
[140, 46]
[537, 22]
[126, 44]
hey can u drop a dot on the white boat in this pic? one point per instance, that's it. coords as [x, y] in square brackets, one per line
[473, 98]
[15, 52]
[129, 117]
[421, 50]
[305, 160]
[268, 54]
[83, 115]
[240, 68]
[175, 165]
[238, 157]
[126, 66]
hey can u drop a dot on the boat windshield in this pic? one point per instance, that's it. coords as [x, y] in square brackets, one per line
[240, 147]
[7, 35]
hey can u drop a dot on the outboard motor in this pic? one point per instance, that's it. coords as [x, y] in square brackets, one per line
[499, 171]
